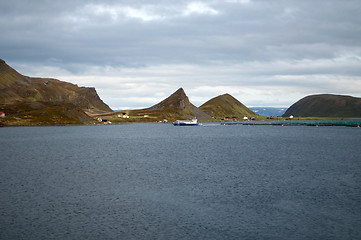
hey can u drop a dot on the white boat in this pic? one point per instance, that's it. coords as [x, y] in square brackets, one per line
[193, 122]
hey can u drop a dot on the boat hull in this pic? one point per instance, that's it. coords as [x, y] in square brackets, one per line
[193, 122]
[185, 124]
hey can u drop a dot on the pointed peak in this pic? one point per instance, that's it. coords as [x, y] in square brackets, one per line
[179, 91]
[227, 95]
[177, 100]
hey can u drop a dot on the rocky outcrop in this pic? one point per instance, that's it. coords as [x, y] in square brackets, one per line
[179, 105]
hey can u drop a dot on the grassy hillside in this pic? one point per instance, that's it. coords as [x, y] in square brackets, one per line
[226, 106]
[43, 113]
[326, 105]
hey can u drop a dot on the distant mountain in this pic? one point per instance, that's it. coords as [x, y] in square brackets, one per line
[226, 106]
[176, 106]
[269, 111]
[18, 93]
[326, 105]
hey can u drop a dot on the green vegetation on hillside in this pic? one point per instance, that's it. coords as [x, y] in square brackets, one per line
[326, 105]
[227, 106]
[43, 113]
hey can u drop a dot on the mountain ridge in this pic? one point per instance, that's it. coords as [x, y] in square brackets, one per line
[269, 111]
[47, 101]
[176, 106]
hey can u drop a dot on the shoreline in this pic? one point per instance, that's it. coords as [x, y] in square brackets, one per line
[349, 122]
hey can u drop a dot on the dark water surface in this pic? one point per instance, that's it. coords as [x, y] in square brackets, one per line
[156, 181]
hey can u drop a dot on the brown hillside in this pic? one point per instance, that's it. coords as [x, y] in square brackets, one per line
[176, 106]
[61, 102]
[15, 88]
[178, 101]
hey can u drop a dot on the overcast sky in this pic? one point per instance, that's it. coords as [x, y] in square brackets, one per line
[136, 53]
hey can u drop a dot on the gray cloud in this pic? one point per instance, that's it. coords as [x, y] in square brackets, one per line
[219, 45]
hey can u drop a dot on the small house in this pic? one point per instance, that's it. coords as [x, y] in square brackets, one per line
[2, 114]
[123, 115]
[105, 121]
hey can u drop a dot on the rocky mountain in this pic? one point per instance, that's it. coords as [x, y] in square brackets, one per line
[15, 88]
[176, 106]
[326, 105]
[20, 94]
[179, 104]
[226, 106]
[178, 101]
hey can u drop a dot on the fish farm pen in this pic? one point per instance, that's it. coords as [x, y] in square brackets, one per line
[347, 123]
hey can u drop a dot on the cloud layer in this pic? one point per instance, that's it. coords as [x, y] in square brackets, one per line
[265, 53]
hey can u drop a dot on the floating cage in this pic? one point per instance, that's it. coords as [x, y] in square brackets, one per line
[347, 123]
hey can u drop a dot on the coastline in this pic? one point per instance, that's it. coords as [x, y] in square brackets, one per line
[348, 122]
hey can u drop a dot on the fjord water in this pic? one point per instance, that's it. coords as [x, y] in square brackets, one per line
[156, 181]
